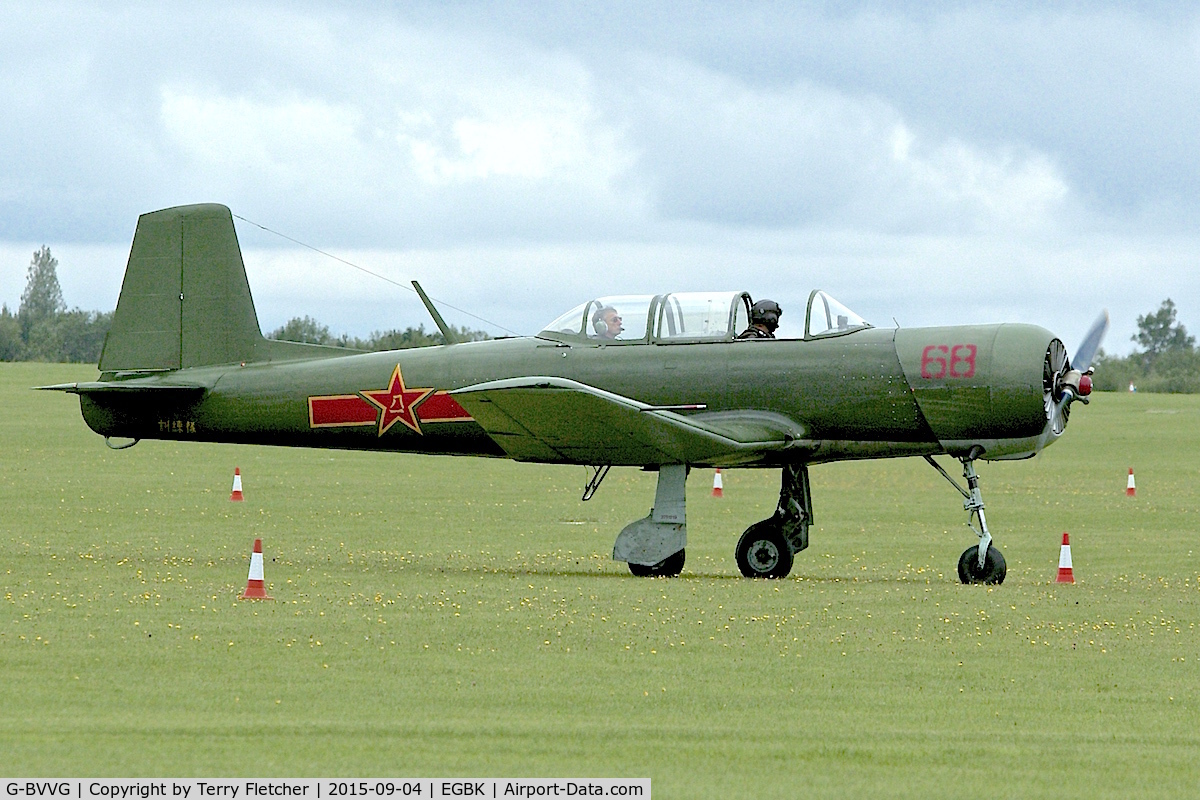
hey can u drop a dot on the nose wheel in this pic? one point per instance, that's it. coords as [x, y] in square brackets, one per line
[992, 572]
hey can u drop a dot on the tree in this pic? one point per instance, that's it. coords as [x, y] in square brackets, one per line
[303, 329]
[466, 334]
[10, 335]
[1159, 333]
[81, 335]
[42, 299]
[397, 339]
[308, 330]
[401, 339]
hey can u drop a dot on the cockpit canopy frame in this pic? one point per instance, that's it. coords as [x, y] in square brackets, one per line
[687, 317]
[677, 317]
[827, 317]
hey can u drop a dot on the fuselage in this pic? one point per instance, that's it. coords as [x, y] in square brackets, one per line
[866, 394]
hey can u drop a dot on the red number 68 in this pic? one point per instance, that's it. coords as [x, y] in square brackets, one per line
[939, 359]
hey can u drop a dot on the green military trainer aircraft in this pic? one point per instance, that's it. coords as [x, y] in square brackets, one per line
[659, 382]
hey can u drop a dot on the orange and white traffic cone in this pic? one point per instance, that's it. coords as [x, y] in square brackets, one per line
[718, 486]
[1130, 487]
[255, 589]
[236, 494]
[1065, 573]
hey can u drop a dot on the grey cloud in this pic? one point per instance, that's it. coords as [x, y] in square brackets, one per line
[720, 151]
[639, 147]
[760, 114]
[1107, 92]
[304, 120]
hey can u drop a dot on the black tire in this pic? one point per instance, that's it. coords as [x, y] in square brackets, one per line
[994, 568]
[763, 552]
[669, 567]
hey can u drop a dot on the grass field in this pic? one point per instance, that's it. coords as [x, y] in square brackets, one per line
[460, 617]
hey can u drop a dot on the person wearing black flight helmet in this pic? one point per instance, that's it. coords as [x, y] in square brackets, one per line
[764, 319]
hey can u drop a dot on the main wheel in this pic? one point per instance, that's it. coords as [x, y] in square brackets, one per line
[669, 567]
[994, 568]
[763, 552]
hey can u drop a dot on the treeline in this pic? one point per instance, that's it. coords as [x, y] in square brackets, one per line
[1168, 360]
[308, 330]
[1174, 372]
[43, 329]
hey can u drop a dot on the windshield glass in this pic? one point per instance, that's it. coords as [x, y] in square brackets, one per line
[618, 318]
[827, 316]
[569, 323]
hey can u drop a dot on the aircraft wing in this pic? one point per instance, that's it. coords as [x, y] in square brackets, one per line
[559, 420]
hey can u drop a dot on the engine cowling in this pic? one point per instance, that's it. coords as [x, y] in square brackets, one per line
[980, 386]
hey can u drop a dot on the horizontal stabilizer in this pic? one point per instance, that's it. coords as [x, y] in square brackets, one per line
[560, 420]
[127, 388]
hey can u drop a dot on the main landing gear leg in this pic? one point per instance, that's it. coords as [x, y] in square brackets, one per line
[654, 545]
[982, 563]
[767, 548]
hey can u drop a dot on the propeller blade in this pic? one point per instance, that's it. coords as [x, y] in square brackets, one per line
[1091, 343]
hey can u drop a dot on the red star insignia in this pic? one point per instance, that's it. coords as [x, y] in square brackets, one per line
[397, 403]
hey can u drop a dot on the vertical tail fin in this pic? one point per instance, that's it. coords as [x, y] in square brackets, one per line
[185, 301]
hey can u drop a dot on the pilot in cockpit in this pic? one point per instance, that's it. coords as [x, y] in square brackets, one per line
[606, 323]
[764, 319]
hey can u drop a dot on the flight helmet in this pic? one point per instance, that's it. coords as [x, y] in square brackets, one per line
[766, 313]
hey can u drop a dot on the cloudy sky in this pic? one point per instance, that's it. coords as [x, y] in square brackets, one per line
[940, 163]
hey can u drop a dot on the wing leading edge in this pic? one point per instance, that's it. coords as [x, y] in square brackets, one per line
[556, 420]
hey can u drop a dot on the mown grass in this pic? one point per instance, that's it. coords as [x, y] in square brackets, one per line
[439, 616]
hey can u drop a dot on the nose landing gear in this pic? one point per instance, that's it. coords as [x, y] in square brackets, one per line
[983, 563]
